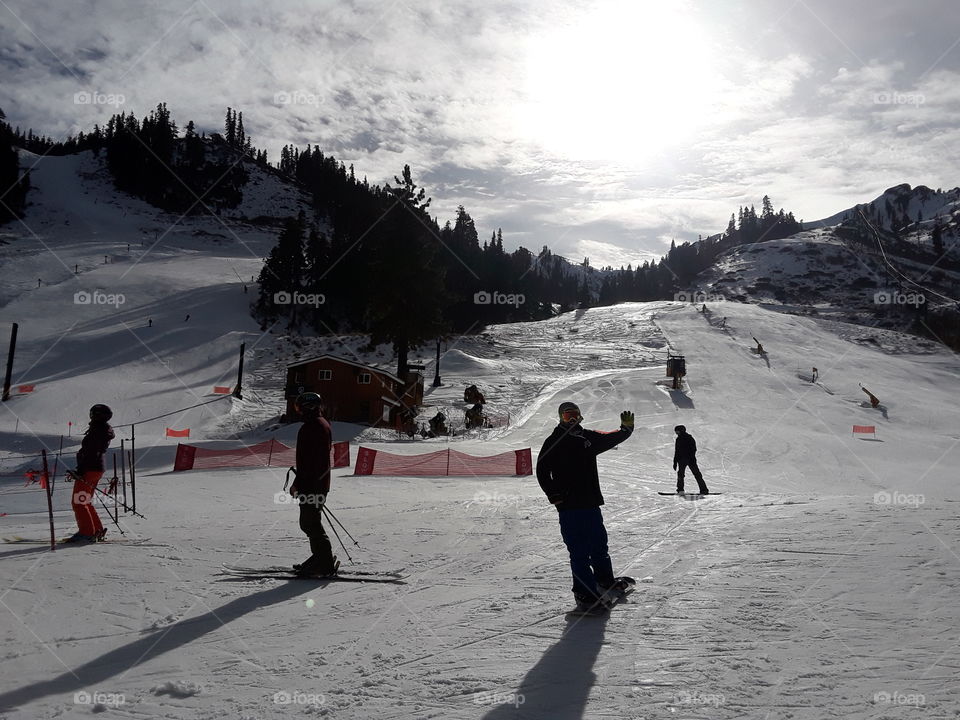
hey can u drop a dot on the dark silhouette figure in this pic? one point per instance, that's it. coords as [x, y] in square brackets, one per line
[685, 456]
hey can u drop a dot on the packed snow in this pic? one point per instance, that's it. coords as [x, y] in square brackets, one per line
[821, 583]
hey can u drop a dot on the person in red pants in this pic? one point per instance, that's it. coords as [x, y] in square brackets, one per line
[89, 470]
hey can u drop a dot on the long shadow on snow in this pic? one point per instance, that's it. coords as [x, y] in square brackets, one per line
[558, 686]
[97, 672]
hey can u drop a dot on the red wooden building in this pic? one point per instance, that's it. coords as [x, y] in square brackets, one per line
[352, 391]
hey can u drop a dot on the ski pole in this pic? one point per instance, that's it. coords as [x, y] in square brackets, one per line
[126, 508]
[107, 510]
[326, 510]
[339, 540]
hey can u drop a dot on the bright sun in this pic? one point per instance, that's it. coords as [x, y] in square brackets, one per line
[620, 83]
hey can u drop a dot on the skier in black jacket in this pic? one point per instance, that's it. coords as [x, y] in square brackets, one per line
[88, 473]
[312, 485]
[684, 456]
[567, 472]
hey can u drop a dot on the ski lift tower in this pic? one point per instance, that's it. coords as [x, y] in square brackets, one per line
[676, 369]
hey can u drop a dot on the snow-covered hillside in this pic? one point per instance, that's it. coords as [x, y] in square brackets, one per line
[821, 583]
[903, 201]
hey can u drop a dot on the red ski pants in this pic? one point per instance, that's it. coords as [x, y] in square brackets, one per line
[84, 491]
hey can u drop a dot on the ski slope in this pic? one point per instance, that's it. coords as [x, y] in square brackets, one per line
[821, 584]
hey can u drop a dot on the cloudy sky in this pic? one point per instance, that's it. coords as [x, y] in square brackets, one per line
[602, 128]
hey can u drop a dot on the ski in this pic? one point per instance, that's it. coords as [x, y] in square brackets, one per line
[290, 575]
[287, 570]
[281, 573]
[689, 494]
[18, 540]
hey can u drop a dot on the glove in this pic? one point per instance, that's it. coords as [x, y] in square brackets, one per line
[73, 475]
[626, 420]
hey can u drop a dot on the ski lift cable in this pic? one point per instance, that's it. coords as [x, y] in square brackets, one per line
[895, 270]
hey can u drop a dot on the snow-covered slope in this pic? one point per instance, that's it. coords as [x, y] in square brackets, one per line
[822, 583]
[773, 599]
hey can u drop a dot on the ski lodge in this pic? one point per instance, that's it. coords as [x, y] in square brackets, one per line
[352, 391]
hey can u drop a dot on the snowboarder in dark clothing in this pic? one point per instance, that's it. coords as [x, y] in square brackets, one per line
[684, 456]
[312, 485]
[567, 472]
[89, 470]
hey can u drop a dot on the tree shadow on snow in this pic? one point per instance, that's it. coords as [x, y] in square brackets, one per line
[558, 686]
[96, 674]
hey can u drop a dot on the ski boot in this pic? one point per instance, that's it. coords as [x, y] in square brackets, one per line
[78, 537]
[101, 536]
[308, 568]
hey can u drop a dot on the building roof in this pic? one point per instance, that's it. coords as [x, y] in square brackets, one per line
[370, 368]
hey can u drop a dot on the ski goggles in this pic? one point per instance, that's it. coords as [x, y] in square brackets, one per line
[570, 415]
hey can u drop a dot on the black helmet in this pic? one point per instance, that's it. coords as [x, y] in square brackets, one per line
[100, 413]
[680, 428]
[569, 413]
[308, 403]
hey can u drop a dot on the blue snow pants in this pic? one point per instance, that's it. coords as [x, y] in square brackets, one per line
[586, 540]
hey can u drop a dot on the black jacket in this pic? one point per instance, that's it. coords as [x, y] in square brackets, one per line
[685, 449]
[94, 444]
[567, 465]
[313, 457]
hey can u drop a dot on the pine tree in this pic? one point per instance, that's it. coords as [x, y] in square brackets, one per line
[404, 283]
[283, 274]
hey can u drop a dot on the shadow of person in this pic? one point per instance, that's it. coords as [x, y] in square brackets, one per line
[95, 673]
[558, 686]
[24, 551]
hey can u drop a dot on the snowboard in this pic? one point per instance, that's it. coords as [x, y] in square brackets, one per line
[609, 599]
[287, 573]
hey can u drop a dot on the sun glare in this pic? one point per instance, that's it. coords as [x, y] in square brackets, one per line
[620, 83]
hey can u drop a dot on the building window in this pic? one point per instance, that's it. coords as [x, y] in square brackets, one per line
[326, 374]
[363, 378]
